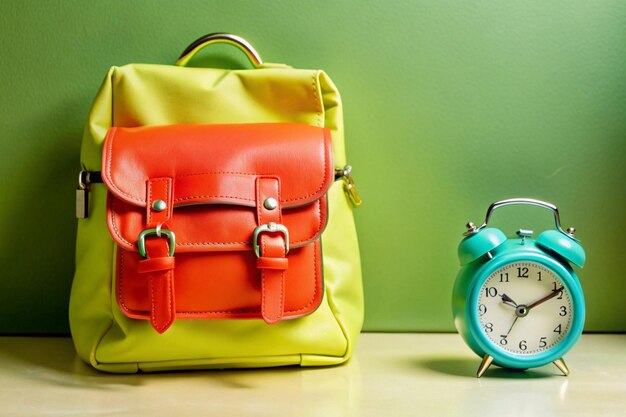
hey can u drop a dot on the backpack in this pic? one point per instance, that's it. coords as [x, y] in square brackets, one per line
[215, 220]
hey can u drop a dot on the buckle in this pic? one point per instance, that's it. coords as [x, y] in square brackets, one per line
[270, 227]
[141, 240]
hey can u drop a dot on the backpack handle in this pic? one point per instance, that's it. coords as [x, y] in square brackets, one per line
[213, 38]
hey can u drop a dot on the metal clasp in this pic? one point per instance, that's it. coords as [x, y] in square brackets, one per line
[84, 179]
[349, 187]
[270, 227]
[141, 240]
[82, 195]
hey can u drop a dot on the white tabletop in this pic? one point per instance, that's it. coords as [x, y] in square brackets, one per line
[390, 375]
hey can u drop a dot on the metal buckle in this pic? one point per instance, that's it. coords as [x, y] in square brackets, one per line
[270, 227]
[141, 240]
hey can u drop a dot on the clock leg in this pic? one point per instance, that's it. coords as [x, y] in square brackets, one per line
[560, 363]
[484, 365]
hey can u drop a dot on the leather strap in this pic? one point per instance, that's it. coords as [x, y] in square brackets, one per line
[159, 268]
[158, 189]
[156, 264]
[273, 261]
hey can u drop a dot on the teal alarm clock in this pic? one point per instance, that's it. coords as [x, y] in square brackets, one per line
[517, 302]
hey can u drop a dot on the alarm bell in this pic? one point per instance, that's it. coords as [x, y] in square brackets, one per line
[564, 245]
[479, 243]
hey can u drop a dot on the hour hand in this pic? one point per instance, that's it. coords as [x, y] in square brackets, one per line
[508, 301]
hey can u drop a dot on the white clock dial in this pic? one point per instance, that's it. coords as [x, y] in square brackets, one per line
[524, 308]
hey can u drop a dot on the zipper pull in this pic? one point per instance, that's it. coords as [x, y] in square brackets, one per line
[349, 186]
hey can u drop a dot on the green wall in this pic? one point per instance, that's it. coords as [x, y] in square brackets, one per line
[449, 106]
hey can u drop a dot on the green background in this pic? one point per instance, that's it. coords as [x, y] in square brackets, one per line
[449, 106]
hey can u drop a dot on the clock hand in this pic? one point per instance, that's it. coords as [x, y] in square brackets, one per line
[553, 294]
[508, 301]
[511, 328]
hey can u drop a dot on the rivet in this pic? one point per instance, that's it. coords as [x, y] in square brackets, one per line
[270, 203]
[159, 205]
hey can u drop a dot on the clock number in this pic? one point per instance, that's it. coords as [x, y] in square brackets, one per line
[542, 341]
[482, 309]
[563, 311]
[557, 329]
[491, 291]
[488, 327]
[504, 277]
[539, 276]
[554, 288]
[522, 272]
[503, 341]
[522, 345]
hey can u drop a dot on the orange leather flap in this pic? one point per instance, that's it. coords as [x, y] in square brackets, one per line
[213, 171]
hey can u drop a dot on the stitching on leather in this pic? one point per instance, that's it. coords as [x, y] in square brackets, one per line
[263, 293]
[257, 193]
[120, 275]
[282, 273]
[229, 197]
[252, 174]
[217, 312]
[109, 168]
[170, 282]
[282, 294]
[153, 319]
[233, 311]
[280, 210]
[167, 191]
[315, 282]
[148, 201]
[138, 200]
[211, 243]
[119, 235]
[263, 245]
[265, 274]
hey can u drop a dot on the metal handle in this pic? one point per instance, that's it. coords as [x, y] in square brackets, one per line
[212, 38]
[525, 201]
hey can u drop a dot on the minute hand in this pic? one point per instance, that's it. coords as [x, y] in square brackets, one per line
[553, 294]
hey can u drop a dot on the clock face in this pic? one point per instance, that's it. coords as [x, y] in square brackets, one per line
[524, 308]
